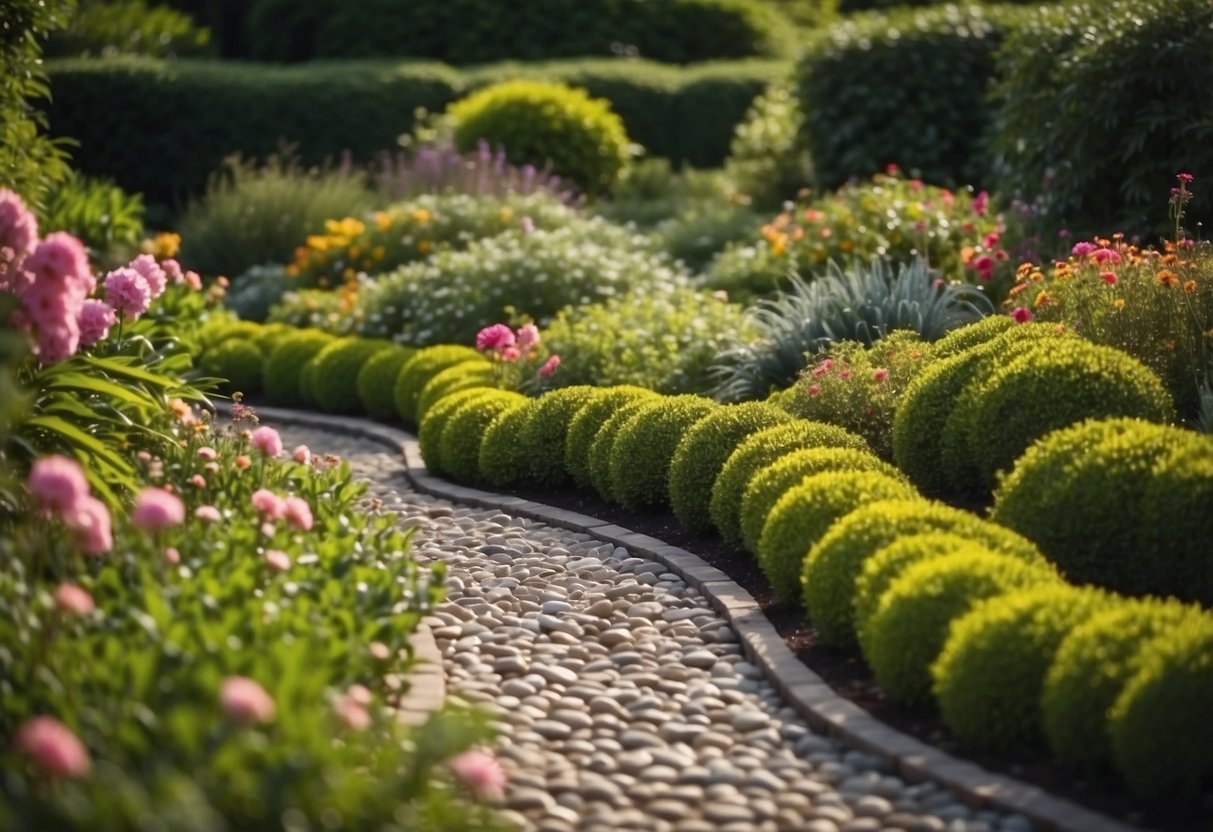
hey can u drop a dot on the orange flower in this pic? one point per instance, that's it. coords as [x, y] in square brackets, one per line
[1168, 278]
[1190, 287]
[967, 253]
[1118, 304]
[1042, 299]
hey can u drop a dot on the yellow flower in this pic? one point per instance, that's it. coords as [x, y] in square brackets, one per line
[1118, 304]
[317, 242]
[1042, 299]
[382, 221]
[422, 216]
[163, 245]
[377, 253]
[779, 243]
[507, 213]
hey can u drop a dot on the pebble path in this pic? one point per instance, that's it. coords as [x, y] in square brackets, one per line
[623, 702]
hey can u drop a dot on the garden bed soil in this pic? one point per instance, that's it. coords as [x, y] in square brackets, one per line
[846, 672]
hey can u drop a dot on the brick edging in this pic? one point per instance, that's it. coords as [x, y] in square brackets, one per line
[803, 689]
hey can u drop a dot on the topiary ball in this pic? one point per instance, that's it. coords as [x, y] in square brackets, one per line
[703, 451]
[542, 438]
[214, 334]
[910, 625]
[773, 481]
[640, 457]
[990, 674]
[463, 434]
[429, 434]
[239, 363]
[377, 379]
[502, 462]
[271, 335]
[419, 369]
[459, 376]
[284, 367]
[599, 458]
[585, 424]
[759, 451]
[887, 564]
[835, 562]
[336, 373]
[1160, 727]
[805, 513]
[1093, 666]
[539, 123]
[972, 335]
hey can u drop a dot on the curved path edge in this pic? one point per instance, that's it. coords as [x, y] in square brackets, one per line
[803, 689]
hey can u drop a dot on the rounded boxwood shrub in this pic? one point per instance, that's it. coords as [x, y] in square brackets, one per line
[237, 361]
[641, 454]
[703, 451]
[887, 565]
[463, 434]
[540, 122]
[456, 377]
[1093, 666]
[1160, 730]
[584, 425]
[337, 368]
[757, 452]
[284, 367]
[806, 512]
[1097, 495]
[271, 335]
[910, 625]
[429, 434]
[833, 565]
[599, 458]
[502, 462]
[543, 436]
[419, 369]
[770, 483]
[972, 335]
[376, 381]
[990, 674]
[1066, 382]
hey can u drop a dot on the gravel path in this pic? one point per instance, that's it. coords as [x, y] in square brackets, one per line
[623, 701]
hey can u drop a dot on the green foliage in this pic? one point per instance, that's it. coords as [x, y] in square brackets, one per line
[908, 88]
[1157, 744]
[376, 382]
[1093, 666]
[760, 450]
[702, 230]
[255, 291]
[337, 369]
[434, 421]
[662, 336]
[703, 452]
[539, 123]
[459, 444]
[1099, 494]
[909, 626]
[107, 28]
[95, 211]
[768, 484]
[835, 562]
[461, 376]
[239, 363]
[502, 462]
[805, 513]
[454, 294]
[314, 309]
[640, 457]
[543, 435]
[864, 304]
[990, 674]
[418, 370]
[768, 163]
[284, 366]
[584, 426]
[970, 336]
[598, 459]
[1131, 100]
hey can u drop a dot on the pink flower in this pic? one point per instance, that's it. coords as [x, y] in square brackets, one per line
[73, 600]
[881, 375]
[150, 270]
[89, 521]
[267, 440]
[481, 772]
[527, 224]
[528, 337]
[57, 342]
[18, 226]
[60, 258]
[198, 481]
[980, 203]
[1185, 178]
[207, 453]
[172, 556]
[298, 513]
[360, 694]
[128, 292]
[269, 504]
[550, 366]
[991, 239]
[58, 484]
[1021, 315]
[494, 338]
[244, 701]
[814, 389]
[52, 748]
[302, 455]
[352, 713]
[984, 266]
[1108, 278]
[379, 651]
[156, 509]
[1106, 255]
[172, 270]
[96, 318]
[1083, 249]
[208, 514]
[823, 368]
[193, 280]
[277, 560]
[511, 354]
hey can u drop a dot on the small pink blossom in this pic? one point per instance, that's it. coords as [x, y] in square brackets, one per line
[481, 772]
[980, 203]
[984, 266]
[494, 338]
[244, 701]
[207, 453]
[91, 527]
[211, 467]
[268, 529]
[172, 556]
[814, 389]
[511, 354]
[352, 713]
[58, 484]
[277, 560]
[198, 481]
[379, 651]
[267, 440]
[58, 258]
[208, 514]
[271, 506]
[881, 375]
[150, 271]
[127, 292]
[528, 337]
[991, 240]
[302, 455]
[1108, 278]
[172, 270]
[193, 281]
[157, 509]
[1021, 315]
[52, 747]
[73, 600]
[18, 226]
[549, 367]
[96, 318]
[298, 513]
[1106, 255]
[1083, 249]
[823, 367]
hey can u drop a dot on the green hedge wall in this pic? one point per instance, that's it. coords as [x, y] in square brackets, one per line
[162, 128]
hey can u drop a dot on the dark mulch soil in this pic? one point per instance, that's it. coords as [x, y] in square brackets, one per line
[848, 675]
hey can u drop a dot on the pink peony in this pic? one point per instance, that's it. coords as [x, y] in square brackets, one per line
[511, 354]
[58, 484]
[302, 455]
[550, 366]
[1021, 314]
[208, 514]
[73, 600]
[57, 341]
[481, 772]
[172, 270]
[150, 270]
[52, 747]
[244, 701]
[89, 521]
[494, 338]
[128, 292]
[269, 504]
[277, 560]
[18, 226]
[157, 509]
[267, 440]
[61, 258]
[96, 318]
[298, 513]
[528, 337]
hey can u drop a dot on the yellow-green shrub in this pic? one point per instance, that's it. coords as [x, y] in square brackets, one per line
[599, 458]
[643, 449]
[543, 435]
[585, 424]
[420, 369]
[337, 369]
[284, 367]
[461, 376]
[239, 362]
[376, 381]
[429, 434]
[502, 462]
[463, 434]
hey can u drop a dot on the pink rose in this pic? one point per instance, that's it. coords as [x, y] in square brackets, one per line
[298, 513]
[481, 772]
[494, 338]
[52, 748]
[58, 484]
[267, 440]
[73, 600]
[244, 701]
[156, 509]
[550, 366]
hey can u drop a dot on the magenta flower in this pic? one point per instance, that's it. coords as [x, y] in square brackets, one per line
[18, 226]
[980, 203]
[52, 747]
[157, 509]
[73, 600]
[96, 318]
[1106, 255]
[494, 338]
[481, 772]
[1083, 249]
[89, 522]
[244, 701]
[298, 513]
[150, 270]
[267, 440]
[1021, 315]
[549, 367]
[128, 292]
[1185, 178]
[58, 484]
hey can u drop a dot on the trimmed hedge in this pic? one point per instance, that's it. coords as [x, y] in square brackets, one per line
[337, 368]
[644, 448]
[585, 424]
[463, 434]
[598, 460]
[238, 361]
[502, 462]
[429, 434]
[459, 376]
[376, 382]
[285, 365]
[971, 335]
[418, 370]
[542, 437]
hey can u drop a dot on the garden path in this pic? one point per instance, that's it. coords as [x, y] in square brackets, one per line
[623, 702]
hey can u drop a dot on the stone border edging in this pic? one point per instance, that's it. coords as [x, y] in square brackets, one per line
[803, 689]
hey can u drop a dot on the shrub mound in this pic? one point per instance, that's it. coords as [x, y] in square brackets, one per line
[972, 335]
[376, 382]
[805, 513]
[703, 451]
[543, 436]
[461, 376]
[599, 458]
[337, 369]
[502, 462]
[584, 425]
[461, 438]
[429, 434]
[419, 369]
[640, 457]
[284, 367]
[239, 362]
